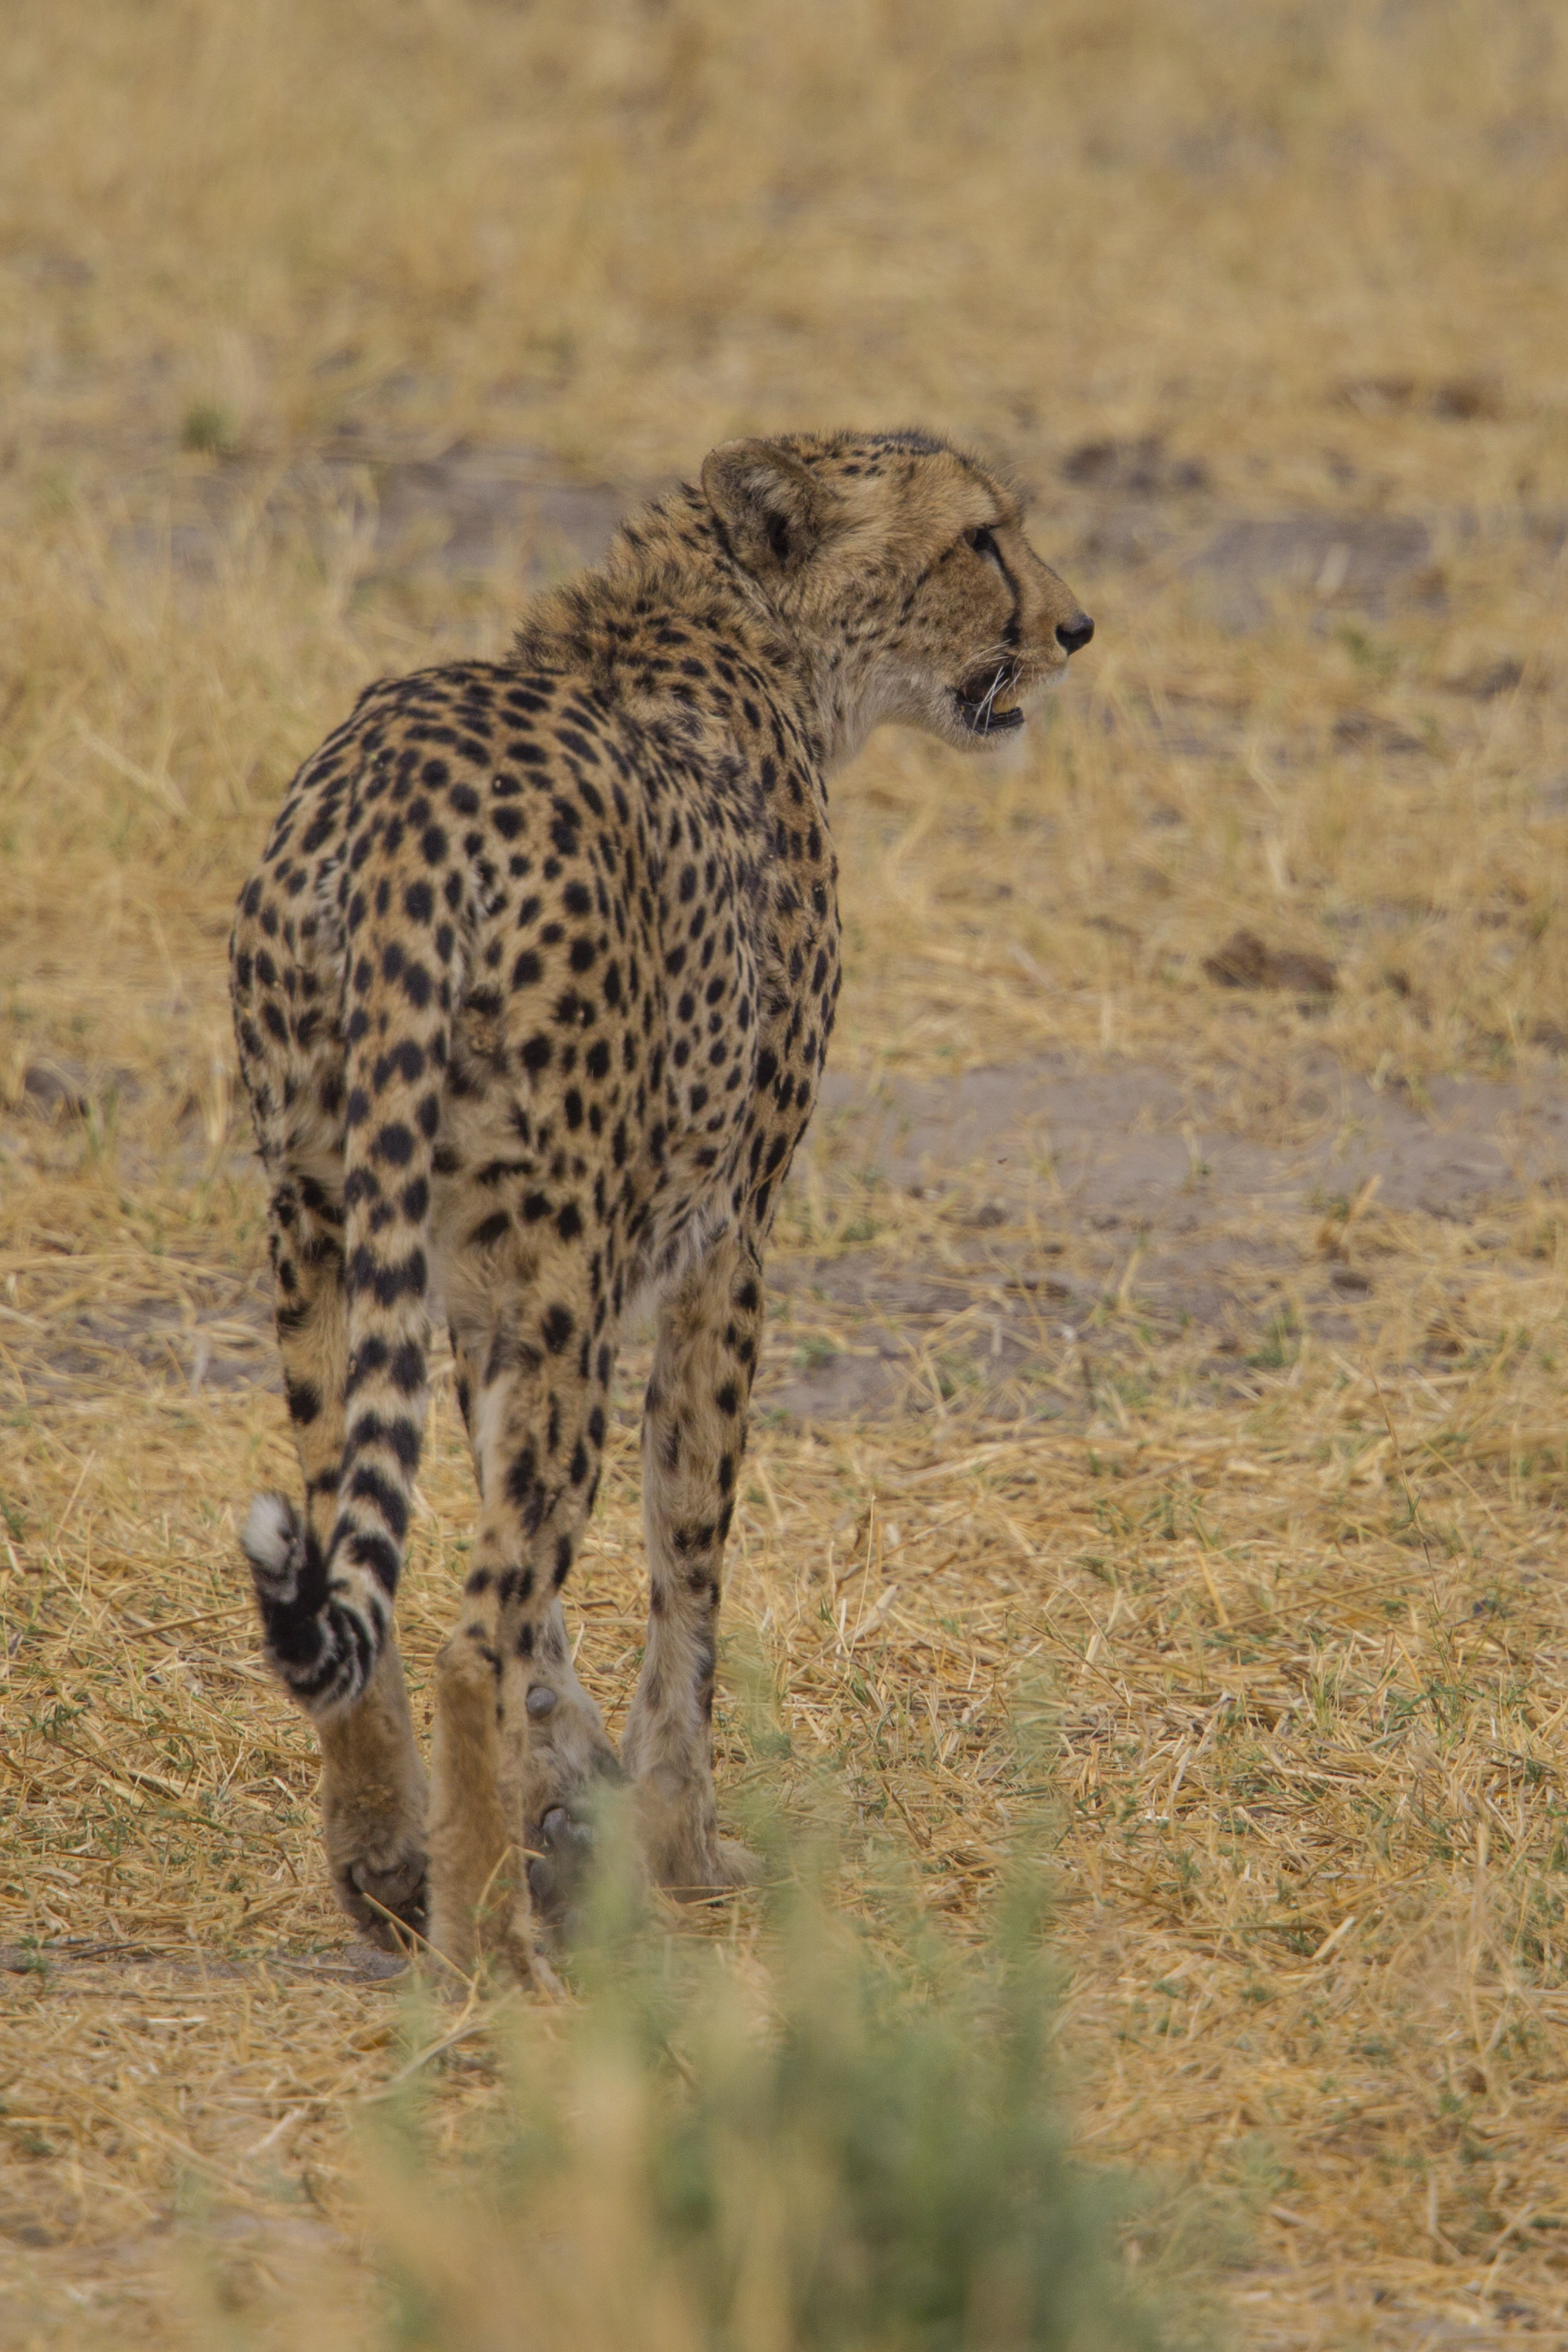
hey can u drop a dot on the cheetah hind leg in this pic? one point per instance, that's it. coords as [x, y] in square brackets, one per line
[693, 1439]
[567, 1763]
[373, 1800]
[519, 1762]
[374, 1789]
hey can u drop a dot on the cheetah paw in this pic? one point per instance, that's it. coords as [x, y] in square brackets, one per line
[722, 1866]
[386, 1896]
[560, 1851]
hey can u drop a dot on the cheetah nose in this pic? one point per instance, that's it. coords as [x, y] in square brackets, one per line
[1074, 634]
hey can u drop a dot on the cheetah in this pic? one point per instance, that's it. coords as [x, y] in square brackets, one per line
[533, 988]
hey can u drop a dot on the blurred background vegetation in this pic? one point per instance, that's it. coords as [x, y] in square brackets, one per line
[635, 225]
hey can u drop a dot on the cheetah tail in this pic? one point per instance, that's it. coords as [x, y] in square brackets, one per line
[325, 1617]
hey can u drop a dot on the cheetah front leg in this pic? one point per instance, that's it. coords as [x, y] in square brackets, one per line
[694, 1435]
[372, 1780]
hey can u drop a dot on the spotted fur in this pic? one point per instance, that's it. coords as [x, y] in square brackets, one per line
[533, 988]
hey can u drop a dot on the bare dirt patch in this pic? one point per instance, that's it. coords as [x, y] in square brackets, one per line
[402, 511]
[1079, 1207]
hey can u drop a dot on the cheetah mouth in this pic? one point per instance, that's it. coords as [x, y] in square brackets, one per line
[979, 701]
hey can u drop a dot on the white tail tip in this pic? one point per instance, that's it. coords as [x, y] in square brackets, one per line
[271, 1532]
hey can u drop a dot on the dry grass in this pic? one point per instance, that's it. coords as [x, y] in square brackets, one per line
[1297, 1616]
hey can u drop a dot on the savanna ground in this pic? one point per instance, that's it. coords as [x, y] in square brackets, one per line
[1168, 1331]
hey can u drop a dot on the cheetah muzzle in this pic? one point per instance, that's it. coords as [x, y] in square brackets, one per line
[533, 988]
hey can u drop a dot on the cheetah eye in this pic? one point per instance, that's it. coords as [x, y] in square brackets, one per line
[981, 541]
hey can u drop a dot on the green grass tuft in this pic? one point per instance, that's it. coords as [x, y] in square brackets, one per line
[858, 2143]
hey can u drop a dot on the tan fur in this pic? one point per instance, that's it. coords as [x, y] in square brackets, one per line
[533, 990]
[373, 1800]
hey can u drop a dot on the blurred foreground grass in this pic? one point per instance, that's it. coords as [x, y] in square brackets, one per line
[846, 2134]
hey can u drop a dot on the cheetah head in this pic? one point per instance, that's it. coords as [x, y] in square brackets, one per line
[900, 568]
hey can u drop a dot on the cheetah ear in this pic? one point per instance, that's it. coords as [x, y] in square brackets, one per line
[775, 512]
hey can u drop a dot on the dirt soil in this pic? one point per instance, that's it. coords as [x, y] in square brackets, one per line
[1195, 1208]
